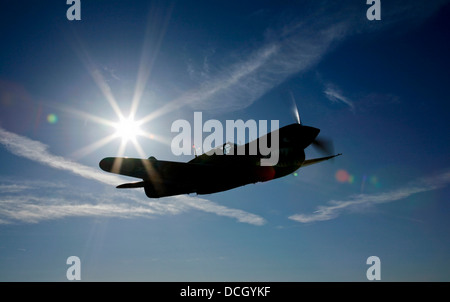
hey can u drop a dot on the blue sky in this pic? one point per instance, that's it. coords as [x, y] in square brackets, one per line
[376, 88]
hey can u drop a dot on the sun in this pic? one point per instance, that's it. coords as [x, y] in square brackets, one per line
[128, 129]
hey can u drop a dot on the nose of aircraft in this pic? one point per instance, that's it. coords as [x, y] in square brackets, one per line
[299, 135]
[310, 133]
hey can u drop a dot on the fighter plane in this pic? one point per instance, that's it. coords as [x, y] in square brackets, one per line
[213, 172]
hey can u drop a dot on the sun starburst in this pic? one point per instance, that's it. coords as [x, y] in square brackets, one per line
[128, 129]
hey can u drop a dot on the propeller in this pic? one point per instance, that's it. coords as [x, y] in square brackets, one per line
[294, 104]
[322, 145]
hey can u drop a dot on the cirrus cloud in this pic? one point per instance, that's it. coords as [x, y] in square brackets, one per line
[29, 201]
[336, 207]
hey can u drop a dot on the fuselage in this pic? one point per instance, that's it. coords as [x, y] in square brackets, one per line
[213, 173]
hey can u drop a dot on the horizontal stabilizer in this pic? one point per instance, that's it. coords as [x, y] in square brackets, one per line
[131, 185]
[309, 162]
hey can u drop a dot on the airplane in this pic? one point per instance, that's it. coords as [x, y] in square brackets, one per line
[213, 172]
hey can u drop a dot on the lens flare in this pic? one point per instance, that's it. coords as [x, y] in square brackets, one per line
[52, 118]
[342, 176]
[374, 181]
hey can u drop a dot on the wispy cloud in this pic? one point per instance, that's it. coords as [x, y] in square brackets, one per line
[29, 202]
[36, 202]
[12, 188]
[287, 51]
[37, 151]
[237, 82]
[211, 207]
[290, 49]
[334, 94]
[335, 208]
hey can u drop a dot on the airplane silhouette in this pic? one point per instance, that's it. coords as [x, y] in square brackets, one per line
[214, 172]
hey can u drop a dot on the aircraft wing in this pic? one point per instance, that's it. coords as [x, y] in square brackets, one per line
[165, 178]
[151, 169]
[313, 161]
[159, 178]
